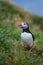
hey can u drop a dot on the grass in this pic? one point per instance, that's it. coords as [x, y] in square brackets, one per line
[11, 51]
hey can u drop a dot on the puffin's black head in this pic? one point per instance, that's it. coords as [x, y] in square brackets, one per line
[24, 26]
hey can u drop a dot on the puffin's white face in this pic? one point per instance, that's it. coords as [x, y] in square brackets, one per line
[23, 25]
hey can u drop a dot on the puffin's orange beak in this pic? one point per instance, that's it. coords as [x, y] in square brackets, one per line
[19, 25]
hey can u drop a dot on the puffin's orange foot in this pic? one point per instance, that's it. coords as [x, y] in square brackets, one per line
[27, 48]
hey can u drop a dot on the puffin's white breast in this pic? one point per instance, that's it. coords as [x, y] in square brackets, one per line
[27, 38]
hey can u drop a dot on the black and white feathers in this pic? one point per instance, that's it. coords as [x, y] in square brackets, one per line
[26, 36]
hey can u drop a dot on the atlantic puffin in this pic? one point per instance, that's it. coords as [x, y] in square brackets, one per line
[26, 36]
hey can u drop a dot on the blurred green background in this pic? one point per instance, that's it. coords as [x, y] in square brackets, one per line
[11, 51]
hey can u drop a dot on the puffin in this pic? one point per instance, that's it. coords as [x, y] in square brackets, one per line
[26, 36]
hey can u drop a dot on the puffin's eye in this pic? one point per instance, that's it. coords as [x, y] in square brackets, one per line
[24, 24]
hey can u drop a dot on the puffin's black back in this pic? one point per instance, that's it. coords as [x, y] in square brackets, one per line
[28, 31]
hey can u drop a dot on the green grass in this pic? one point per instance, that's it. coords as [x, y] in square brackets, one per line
[11, 51]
